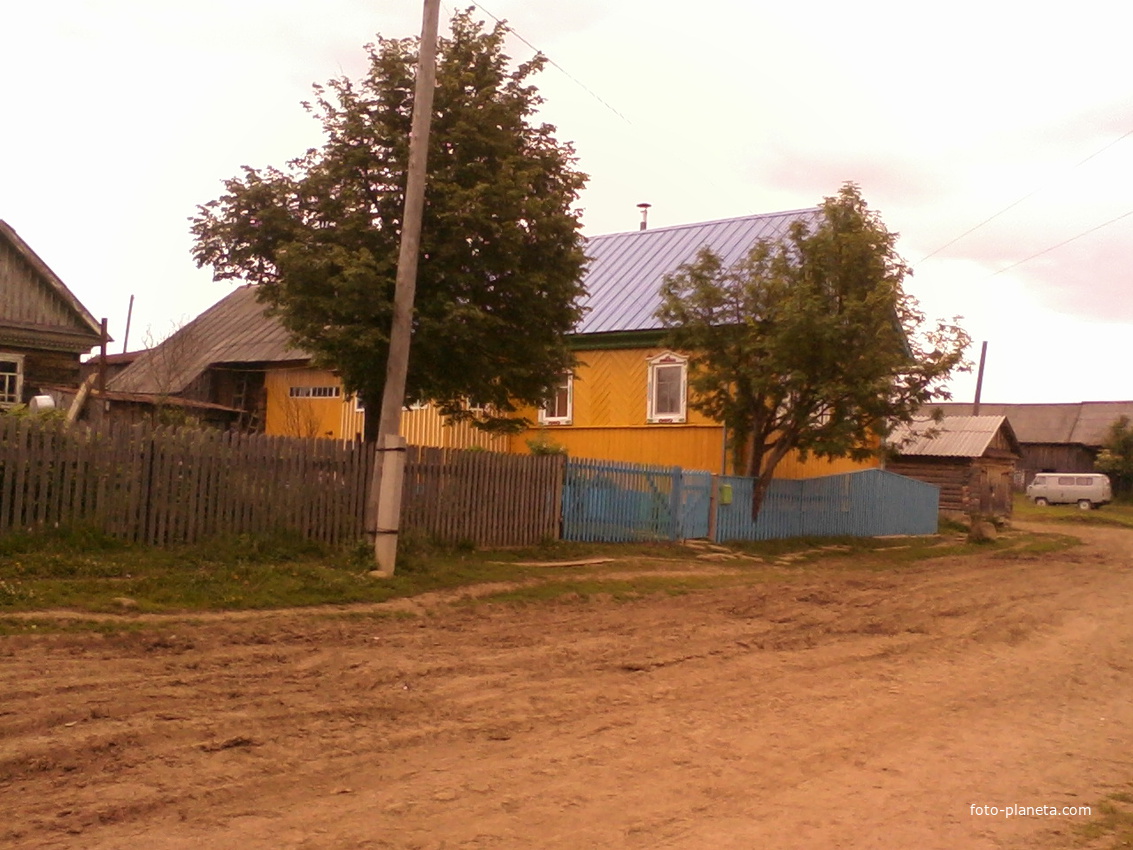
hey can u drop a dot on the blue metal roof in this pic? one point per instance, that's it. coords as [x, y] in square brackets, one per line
[623, 279]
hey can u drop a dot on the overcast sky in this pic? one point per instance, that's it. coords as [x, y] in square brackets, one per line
[120, 116]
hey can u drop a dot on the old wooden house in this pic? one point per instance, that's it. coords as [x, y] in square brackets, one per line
[44, 329]
[1053, 437]
[970, 458]
[234, 364]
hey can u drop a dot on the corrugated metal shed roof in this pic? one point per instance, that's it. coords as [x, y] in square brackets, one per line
[234, 330]
[624, 276]
[956, 436]
[1085, 423]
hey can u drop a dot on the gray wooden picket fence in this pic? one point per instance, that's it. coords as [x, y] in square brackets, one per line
[162, 485]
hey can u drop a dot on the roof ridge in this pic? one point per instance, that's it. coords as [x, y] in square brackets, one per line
[691, 224]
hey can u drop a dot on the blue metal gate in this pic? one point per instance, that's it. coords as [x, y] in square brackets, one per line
[695, 505]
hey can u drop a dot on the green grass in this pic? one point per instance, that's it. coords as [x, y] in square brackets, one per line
[1115, 514]
[1111, 825]
[90, 574]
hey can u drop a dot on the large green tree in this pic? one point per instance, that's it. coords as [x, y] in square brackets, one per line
[501, 252]
[1116, 456]
[809, 343]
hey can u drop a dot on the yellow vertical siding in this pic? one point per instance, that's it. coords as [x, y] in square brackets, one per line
[690, 447]
[303, 417]
[610, 389]
[339, 418]
[609, 422]
[426, 427]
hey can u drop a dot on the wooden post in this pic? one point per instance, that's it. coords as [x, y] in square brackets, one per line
[980, 380]
[391, 461]
[397, 366]
[105, 407]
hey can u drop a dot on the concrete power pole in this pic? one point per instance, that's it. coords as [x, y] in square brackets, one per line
[386, 484]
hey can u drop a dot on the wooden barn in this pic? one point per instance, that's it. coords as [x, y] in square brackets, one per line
[43, 327]
[971, 458]
[1052, 437]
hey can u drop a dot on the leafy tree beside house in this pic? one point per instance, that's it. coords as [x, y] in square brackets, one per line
[501, 253]
[1116, 456]
[810, 343]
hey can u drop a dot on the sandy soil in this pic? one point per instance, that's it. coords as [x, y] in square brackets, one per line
[835, 709]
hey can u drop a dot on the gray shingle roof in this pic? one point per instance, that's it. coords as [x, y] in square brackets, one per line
[623, 279]
[956, 436]
[234, 330]
[1084, 423]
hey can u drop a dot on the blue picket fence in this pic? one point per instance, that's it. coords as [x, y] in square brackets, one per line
[868, 503]
[619, 502]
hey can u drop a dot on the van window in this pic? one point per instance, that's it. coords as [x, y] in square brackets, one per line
[1039, 479]
[1065, 480]
[1085, 481]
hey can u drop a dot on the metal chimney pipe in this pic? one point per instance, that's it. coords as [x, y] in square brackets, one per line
[644, 215]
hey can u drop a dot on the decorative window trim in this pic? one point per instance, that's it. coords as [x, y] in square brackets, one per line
[11, 383]
[315, 392]
[663, 363]
[566, 417]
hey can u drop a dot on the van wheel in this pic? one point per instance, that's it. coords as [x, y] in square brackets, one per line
[1041, 502]
[1084, 504]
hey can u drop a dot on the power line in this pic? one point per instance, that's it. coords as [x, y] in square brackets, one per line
[552, 62]
[1016, 203]
[1063, 242]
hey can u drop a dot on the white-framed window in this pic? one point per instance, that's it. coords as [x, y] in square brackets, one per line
[559, 407]
[315, 392]
[11, 378]
[668, 388]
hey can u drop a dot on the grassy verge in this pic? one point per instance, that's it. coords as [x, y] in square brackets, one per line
[90, 575]
[1116, 514]
[1111, 826]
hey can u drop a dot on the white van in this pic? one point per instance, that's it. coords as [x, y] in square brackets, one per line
[1087, 490]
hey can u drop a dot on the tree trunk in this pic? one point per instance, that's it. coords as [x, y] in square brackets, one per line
[758, 492]
[371, 418]
[766, 472]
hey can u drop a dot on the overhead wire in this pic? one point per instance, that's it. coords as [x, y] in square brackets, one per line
[933, 253]
[510, 29]
[552, 62]
[1063, 242]
[1029, 195]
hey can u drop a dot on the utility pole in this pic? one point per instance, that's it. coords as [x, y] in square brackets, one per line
[980, 380]
[386, 484]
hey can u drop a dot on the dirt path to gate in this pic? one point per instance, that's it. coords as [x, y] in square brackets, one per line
[834, 708]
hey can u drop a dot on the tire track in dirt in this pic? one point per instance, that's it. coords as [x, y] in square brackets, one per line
[832, 708]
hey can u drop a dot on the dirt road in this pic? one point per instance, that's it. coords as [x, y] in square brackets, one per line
[833, 708]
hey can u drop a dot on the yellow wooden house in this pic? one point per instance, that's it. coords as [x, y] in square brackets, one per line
[628, 400]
